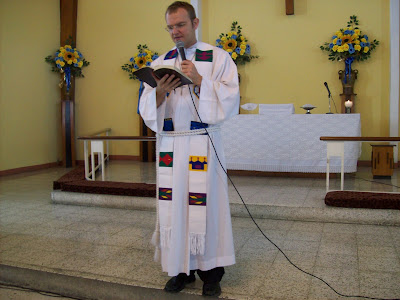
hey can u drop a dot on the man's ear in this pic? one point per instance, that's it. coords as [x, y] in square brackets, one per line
[195, 22]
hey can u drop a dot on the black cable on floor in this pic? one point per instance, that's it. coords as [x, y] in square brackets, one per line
[374, 181]
[248, 211]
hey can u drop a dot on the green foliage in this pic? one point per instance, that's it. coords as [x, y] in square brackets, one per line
[142, 58]
[236, 45]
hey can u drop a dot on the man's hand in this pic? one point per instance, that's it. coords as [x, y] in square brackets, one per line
[165, 85]
[189, 69]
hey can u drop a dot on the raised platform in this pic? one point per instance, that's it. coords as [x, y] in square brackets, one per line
[74, 181]
[356, 199]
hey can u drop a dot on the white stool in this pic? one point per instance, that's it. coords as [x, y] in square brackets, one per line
[97, 147]
[335, 149]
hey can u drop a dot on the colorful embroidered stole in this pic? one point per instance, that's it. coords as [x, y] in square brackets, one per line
[165, 172]
[197, 187]
[197, 193]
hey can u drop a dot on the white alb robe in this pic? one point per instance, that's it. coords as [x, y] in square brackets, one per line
[218, 100]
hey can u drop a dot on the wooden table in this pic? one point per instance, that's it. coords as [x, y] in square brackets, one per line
[335, 147]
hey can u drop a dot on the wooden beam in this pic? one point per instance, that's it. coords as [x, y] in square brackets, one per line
[68, 17]
[289, 7]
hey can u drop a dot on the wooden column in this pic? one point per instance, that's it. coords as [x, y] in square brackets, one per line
[147, 149]
[68, 16]
[289, 7]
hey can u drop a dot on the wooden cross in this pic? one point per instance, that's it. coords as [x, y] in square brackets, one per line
[289, 7]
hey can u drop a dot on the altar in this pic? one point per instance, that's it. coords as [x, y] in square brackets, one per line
[289, 142]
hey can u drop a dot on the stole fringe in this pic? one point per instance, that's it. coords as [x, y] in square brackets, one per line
[165, 236]
[197, 243]
[157, 255]
[155, 240]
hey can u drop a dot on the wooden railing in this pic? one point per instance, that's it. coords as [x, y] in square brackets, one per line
[360, 138]
[97, 146]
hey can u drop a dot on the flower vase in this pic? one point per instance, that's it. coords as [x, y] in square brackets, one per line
[66, 91]
[347, 81]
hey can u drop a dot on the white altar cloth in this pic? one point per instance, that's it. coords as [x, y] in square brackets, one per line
[266, 109]
[289, 143]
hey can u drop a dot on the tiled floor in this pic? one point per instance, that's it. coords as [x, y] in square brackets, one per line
[114, 244]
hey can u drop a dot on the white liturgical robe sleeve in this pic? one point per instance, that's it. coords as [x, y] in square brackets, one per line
[219, 94]
[153, 116]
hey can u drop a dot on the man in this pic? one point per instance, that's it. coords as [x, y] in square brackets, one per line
[193, 231]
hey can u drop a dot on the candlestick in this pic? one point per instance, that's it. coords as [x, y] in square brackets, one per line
[348, 104]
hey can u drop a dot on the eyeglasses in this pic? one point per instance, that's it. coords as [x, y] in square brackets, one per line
[178, 26]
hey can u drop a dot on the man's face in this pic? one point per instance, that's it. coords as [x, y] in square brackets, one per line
[181, 28]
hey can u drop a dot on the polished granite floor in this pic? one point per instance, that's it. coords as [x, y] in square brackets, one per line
[114, 244]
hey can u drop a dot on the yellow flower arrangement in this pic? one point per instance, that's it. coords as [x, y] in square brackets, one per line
[235, 44]
[68, 60]
[141, 59]
[68, 57]
[350, 44]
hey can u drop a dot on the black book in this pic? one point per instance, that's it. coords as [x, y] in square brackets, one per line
[145, 74]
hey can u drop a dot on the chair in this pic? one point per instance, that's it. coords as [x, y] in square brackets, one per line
[97, 147]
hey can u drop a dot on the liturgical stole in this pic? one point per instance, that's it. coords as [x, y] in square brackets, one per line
[197, 190]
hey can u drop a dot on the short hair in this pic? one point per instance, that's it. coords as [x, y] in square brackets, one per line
[181, 4]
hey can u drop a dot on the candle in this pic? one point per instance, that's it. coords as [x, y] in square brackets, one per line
[348, 104]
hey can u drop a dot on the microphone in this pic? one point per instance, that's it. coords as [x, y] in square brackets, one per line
[329, 92]
[329, 97]
[180, 46]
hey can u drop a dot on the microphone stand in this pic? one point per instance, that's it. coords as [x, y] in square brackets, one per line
[329, 97]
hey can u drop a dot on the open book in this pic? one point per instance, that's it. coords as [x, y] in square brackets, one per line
[144, 74]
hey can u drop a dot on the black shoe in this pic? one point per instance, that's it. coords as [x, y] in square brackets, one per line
[177, 283]
[211, 289]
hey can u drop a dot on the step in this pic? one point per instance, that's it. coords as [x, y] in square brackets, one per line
[85, 288]
[314, 214]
